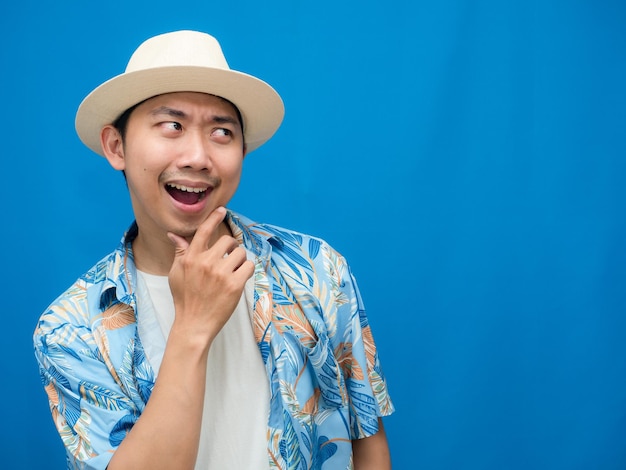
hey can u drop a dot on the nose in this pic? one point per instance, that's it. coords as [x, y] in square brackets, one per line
[196, 153]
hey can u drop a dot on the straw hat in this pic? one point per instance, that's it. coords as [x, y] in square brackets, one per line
[181, 61]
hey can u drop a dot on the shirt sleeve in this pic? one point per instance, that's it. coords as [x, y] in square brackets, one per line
[91, 409]
[356, 352]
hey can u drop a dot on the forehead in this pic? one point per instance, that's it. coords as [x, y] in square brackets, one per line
[188, 102]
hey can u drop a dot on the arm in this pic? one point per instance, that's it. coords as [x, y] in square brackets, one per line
[372, 453]
[369, 452]
[206, 286]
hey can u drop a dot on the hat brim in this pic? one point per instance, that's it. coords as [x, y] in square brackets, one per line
[261, 107]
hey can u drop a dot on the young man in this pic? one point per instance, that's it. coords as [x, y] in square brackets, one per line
[205, 340]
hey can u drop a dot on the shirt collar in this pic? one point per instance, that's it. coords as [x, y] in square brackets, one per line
[121, 270]
[254, 237]
[119, 282]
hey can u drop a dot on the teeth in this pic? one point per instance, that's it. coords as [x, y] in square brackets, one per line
[181, 187]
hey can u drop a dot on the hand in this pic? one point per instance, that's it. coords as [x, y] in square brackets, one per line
[207, 278]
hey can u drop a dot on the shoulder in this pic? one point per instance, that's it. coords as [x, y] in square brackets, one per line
[86, 297]
[283, 239]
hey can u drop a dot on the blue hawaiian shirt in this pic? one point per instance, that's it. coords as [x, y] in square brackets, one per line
[326, 383]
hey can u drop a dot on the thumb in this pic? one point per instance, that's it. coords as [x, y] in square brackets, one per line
[179, 242]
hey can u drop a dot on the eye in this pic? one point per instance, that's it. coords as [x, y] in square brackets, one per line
[172, 126]
[222, 134]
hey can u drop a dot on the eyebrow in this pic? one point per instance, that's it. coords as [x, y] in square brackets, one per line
[177, 113]
[168, 111]
[226, 120]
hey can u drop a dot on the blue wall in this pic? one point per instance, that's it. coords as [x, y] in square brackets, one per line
[468, 157]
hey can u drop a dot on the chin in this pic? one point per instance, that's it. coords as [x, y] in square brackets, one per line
[185, 231]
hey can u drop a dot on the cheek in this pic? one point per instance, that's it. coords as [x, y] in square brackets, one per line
[143, 160]
[230, 176]
[141, 177]
[232, 168]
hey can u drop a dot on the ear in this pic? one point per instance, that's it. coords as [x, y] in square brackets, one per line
[113, 146]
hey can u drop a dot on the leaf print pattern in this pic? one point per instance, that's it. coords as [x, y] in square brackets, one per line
[118, 316]
[100, 397]
[121, 429]
[326, 382]
[286, 318]
[350, 367]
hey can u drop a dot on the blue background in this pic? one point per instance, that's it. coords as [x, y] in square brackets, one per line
[468, 158]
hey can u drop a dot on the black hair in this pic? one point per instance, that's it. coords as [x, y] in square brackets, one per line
[121, 123]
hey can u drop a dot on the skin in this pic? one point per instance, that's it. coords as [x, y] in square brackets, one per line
[194, 140]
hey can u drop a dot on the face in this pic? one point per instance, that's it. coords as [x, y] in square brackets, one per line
[182, 156]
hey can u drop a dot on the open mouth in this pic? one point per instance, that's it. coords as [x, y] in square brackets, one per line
[186, 194]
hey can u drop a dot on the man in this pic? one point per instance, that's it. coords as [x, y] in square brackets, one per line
[205, 340]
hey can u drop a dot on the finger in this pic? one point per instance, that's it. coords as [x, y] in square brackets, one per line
[180, 244]
[205, 231]
[235, 257]
[245, 271]
[241, 267]
[224, 246]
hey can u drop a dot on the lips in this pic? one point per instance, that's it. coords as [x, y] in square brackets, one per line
[186, 194]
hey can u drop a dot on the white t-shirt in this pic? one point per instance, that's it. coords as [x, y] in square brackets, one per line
[236, 402]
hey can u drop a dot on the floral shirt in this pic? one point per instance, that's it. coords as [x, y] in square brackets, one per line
[326, 383]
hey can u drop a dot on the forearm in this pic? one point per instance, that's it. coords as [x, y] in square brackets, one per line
[372, 453]
[206, 279]
[168, 431]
